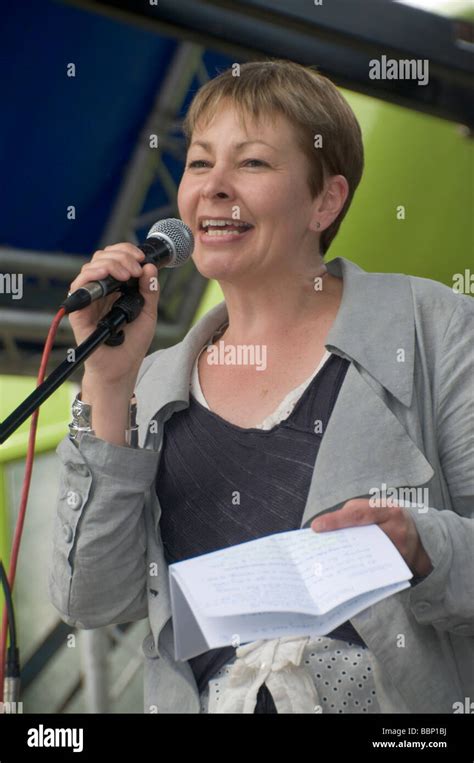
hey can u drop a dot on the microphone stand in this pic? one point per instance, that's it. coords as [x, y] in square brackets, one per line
[124, 310]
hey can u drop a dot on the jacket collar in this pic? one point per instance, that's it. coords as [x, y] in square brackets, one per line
[362, 332]
[372, 306]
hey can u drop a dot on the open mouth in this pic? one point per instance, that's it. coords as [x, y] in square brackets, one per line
[223, 229]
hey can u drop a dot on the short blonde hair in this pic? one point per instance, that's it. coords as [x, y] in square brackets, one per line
[311, 103]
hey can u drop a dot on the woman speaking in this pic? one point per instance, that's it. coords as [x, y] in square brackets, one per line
[364, 382]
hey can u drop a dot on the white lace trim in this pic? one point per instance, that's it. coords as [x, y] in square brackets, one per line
[282, 411]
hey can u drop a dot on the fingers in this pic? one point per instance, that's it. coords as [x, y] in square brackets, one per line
[355, 512]
[149, 269]
[124, 246]
[122, 262]
[149, 277]
[127, 254]
[394, 520]
[117, 261]
[149, 286]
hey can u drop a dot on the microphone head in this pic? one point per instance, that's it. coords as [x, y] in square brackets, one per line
[178, 235]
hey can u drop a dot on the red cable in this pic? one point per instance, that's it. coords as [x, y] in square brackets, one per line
[25, 489]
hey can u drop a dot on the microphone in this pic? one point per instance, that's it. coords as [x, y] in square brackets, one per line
[169, 244]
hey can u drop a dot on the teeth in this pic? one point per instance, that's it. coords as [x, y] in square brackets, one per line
[223, 233]
[222, 222]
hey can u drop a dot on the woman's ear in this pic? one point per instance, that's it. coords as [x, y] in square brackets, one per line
[330, 202]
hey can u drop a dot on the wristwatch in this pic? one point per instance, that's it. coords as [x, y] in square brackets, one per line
[81, 419]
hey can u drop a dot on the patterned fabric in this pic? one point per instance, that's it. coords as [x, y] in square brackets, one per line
[342, 682]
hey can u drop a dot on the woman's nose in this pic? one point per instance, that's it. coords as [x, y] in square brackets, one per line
[216, 184]
[220, 194]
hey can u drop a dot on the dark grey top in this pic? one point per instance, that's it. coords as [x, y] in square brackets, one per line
[207, 462]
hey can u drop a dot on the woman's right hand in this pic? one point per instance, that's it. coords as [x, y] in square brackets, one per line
[120, 364]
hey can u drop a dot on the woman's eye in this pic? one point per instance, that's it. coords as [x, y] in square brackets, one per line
[246, 161]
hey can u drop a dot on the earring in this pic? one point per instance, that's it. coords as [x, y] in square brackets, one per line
[318, 225]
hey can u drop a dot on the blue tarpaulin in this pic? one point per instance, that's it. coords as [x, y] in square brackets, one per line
[66, 140]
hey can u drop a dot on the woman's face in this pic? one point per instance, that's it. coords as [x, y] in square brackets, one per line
[261, 182]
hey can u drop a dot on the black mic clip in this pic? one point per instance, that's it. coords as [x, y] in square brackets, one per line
[129, 305]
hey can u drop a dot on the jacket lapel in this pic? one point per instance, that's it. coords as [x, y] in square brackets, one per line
[165, 375]
[363, 446]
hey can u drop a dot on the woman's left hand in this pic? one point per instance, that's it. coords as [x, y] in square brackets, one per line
[393, 519]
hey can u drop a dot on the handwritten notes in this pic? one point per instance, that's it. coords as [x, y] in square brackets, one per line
[298, 581]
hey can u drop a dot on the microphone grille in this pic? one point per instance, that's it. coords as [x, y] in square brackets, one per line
[179, 236]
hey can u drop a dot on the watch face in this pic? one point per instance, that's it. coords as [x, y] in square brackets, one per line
[76, 408]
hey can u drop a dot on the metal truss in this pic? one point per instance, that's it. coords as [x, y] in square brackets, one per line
[341, 37]
[24, 324]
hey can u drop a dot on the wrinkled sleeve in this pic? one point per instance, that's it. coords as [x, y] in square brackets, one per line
[445, 597]
[97, 572]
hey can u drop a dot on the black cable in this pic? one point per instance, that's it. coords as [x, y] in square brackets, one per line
[9, 605]
[12, 667]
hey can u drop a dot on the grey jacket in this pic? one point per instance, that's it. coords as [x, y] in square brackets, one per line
[404, 418]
